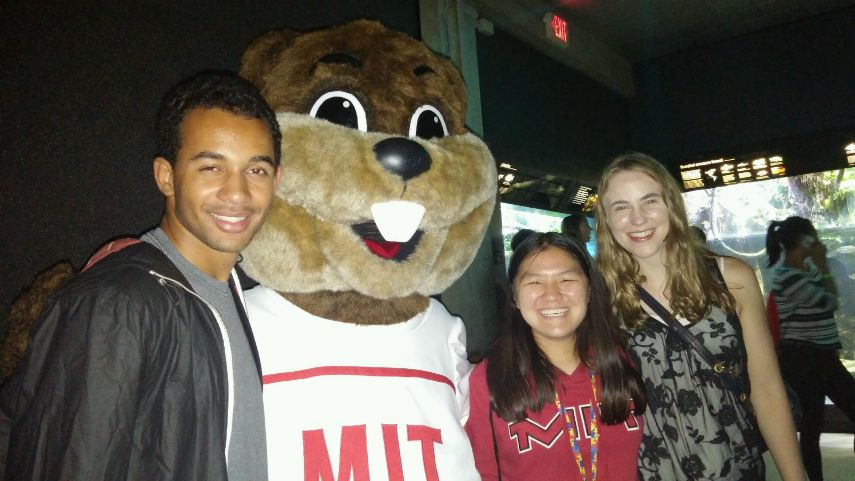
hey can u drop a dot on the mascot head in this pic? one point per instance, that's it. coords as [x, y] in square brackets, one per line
[384, 192]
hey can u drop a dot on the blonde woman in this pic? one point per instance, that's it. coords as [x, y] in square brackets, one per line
[700, 423]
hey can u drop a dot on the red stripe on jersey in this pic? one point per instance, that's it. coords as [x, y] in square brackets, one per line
[355, 371]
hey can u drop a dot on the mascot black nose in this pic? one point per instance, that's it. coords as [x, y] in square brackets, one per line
[402, 157]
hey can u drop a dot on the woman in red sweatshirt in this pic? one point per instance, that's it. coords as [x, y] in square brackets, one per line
[556, 398]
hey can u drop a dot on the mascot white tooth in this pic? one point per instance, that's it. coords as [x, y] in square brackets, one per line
[384, 199]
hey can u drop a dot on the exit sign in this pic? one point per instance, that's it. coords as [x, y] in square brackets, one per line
[556, 29]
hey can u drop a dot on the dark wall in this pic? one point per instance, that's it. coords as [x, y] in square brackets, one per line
[542, 115]
[79, 86]
[791, 86]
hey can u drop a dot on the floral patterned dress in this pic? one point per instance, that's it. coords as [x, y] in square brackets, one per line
[695, 428]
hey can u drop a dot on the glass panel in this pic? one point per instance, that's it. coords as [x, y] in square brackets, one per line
[516, 217]
[736, 218]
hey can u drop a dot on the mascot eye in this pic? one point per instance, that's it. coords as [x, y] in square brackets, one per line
[428, 123]
[340, 108]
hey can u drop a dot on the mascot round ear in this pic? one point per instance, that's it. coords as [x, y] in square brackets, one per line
[262, 54]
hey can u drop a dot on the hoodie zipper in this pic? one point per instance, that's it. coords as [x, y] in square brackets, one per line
[162, 280]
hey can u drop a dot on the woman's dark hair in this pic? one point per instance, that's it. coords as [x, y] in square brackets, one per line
[786, 234]
[519, 237]
[519, 375]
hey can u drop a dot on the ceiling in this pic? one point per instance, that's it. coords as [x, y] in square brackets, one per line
[645, 29]
[607, 37]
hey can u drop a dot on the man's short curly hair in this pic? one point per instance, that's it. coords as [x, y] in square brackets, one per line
[211, 89]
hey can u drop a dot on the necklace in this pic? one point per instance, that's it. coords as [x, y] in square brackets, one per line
[595, 432]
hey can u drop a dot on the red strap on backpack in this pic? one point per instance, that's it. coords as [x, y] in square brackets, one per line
[108, 249]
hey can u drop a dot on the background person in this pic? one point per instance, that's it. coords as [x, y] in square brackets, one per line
[699, 234]
[695, 426]
[520, 236]
[806, 297]
[143, 367]
[559, 354]
[576, 226]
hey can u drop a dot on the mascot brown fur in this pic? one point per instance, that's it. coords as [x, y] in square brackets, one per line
[314, 247]
[26, 311]
[360, 365]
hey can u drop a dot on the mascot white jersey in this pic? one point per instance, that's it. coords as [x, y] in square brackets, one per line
[336, 413]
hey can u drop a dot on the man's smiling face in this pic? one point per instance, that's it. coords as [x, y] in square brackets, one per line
[221, 184]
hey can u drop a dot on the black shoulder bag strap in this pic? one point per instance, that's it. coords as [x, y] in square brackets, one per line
[720, 368]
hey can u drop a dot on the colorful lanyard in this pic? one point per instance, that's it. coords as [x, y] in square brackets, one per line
[595, 432]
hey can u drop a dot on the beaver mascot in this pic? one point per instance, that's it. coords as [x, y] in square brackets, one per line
[385, 197]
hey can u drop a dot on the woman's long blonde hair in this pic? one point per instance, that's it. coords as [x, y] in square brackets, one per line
[691, 287]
